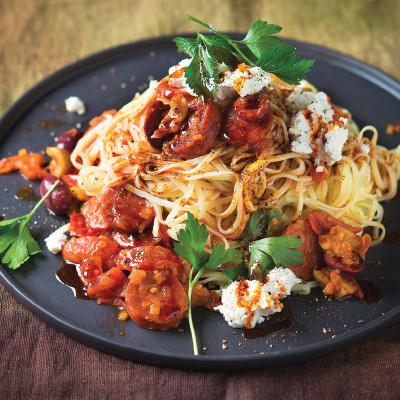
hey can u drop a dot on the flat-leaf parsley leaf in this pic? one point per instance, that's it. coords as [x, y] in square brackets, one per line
[15, 238]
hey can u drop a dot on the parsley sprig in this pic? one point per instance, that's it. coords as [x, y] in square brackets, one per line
[191, 247]
[264, 254]
[260, 47]
[15, 238]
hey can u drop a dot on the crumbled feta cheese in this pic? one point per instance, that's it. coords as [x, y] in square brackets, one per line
[299, 99]
[335, 140]
[321, 106]
[57, 239]
[225, 89]
[301, 130]
[243, 80]
[320, 168]
[247, 303]
[75, 104]
[318, 106]
[180, 81]
[248, 81]
[281, 280]
[365, 148]
[318, 103]
[181, 64]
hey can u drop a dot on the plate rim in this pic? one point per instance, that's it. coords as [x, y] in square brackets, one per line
[167, 359]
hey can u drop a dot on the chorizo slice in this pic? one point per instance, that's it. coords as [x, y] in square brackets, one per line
[156, 296]
[119, 209]
[202, 129]
[172, 122]
[155, 112]
[77, 250]
[248, 121]
[154, 258]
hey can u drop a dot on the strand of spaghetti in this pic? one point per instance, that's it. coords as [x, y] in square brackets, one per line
[149, 197]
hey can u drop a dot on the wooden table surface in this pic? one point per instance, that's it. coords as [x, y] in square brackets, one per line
[38, 37]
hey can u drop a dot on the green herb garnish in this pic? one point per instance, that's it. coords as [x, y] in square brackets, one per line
[191, 247]
[260, 223]
[259, 48]
[264, 254]
[275, 251]
[16, 239]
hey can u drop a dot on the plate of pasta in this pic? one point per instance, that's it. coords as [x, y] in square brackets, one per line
[225, 210]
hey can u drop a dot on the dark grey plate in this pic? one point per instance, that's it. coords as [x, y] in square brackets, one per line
[109, 80]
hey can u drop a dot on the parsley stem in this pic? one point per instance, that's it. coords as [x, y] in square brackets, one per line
[192, 331]
[40, 202]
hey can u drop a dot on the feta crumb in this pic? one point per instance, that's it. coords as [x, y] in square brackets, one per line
[247, 81]
[225, 89]
[75, 104]
[335, 140]
[321, 106]
[243, 80]
[180, 82]
[299, 99]
[301, 130]
[279, 278]
[57, 239]
[320, 168]
[247, 303]
[181, 64]
[318, 103]
[365, 148]
[321, 112]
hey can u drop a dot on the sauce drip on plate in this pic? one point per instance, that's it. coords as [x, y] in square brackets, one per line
[68, 275]
[27, 194]
[276, 322]
[50, 123]
[372, 294]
